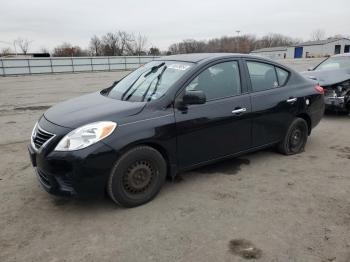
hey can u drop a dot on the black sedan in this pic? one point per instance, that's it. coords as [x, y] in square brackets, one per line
[333, 74]
[171, 115]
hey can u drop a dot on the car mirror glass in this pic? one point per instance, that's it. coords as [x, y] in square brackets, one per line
[194, 97]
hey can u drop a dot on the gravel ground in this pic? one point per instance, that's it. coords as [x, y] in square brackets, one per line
[263, 205]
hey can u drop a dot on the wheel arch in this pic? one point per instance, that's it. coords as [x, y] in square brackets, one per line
[307, 119]
[171, 167]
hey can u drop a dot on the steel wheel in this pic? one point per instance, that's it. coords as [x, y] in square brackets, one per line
[137, 176]
[295, 138]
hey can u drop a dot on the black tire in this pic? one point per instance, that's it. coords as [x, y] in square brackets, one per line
[137, 177]
[295, 138]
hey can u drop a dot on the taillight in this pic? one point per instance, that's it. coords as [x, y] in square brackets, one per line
[319, 89]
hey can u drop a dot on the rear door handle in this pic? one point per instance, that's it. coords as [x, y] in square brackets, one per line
[239, 110]
[291, 100]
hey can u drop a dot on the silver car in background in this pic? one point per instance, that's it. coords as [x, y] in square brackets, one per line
[333, 74]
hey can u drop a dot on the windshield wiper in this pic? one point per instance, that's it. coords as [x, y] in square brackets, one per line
[129, 88]
[133, 91]
[156, 86]
[154, 69]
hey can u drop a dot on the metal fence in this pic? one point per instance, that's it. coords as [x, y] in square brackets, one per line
[28, 66]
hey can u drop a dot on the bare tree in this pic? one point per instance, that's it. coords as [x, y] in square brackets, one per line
[188, 46]
[119, 43]
[235, 44]
[126, 42]
[140, 42]
[110, 43]
[23, 44]
[44, 50]
[154, 51]
[5, 51]
[273, 40]
[66, 49]
[318, 34]
[96, 46]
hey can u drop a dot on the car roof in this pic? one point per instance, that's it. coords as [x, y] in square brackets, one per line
[199, 57]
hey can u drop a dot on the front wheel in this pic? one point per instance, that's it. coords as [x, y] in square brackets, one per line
[295, 138]
[137, 177]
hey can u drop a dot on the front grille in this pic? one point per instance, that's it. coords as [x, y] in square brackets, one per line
[40, 137]
[44, 178]
[65, 182]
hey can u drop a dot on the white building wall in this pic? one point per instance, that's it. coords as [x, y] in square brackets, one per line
[328, 49]
[272, 54]
[320, 50]
[290, 52]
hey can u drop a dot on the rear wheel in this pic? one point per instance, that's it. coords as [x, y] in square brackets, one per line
[295, 138]
[137, 177]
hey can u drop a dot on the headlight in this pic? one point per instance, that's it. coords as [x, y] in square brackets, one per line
[85, 136]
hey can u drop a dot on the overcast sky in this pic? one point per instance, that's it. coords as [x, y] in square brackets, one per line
[50, 22]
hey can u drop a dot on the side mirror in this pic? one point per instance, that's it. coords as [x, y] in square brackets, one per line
[194, 97]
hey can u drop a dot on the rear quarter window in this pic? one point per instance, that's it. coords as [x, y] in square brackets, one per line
[282, 76]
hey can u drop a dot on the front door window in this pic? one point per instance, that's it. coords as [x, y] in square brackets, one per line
[218, 81]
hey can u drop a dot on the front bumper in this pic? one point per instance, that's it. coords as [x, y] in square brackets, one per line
[54, 184]
[76, 173]
[71, 174]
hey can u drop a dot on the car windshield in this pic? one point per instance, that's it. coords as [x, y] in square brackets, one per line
[149, 82]
[335, 63]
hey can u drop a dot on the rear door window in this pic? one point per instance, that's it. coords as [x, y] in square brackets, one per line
[262, 76]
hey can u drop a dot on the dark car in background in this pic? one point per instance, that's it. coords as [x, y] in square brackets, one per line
[333, 74]
[173, 114]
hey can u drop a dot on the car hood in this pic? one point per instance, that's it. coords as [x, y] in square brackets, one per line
[328, 77]
[91, 108]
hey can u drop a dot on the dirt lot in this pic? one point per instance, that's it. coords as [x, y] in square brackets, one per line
[294, 208]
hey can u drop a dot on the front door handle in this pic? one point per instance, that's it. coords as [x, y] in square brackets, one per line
[239, 110]
[291, 100]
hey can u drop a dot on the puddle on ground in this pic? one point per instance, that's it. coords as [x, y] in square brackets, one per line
[244, 249]
[33, 108]
[228, 167]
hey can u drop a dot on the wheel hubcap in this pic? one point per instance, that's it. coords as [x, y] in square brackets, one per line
[296, 139]
[138, 177]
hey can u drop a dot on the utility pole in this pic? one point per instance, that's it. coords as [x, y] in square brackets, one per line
[238, 31]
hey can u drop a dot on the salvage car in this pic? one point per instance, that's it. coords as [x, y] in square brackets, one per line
[171, 115]
[333, 74]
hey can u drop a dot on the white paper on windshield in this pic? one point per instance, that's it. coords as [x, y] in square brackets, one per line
[179, 67]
